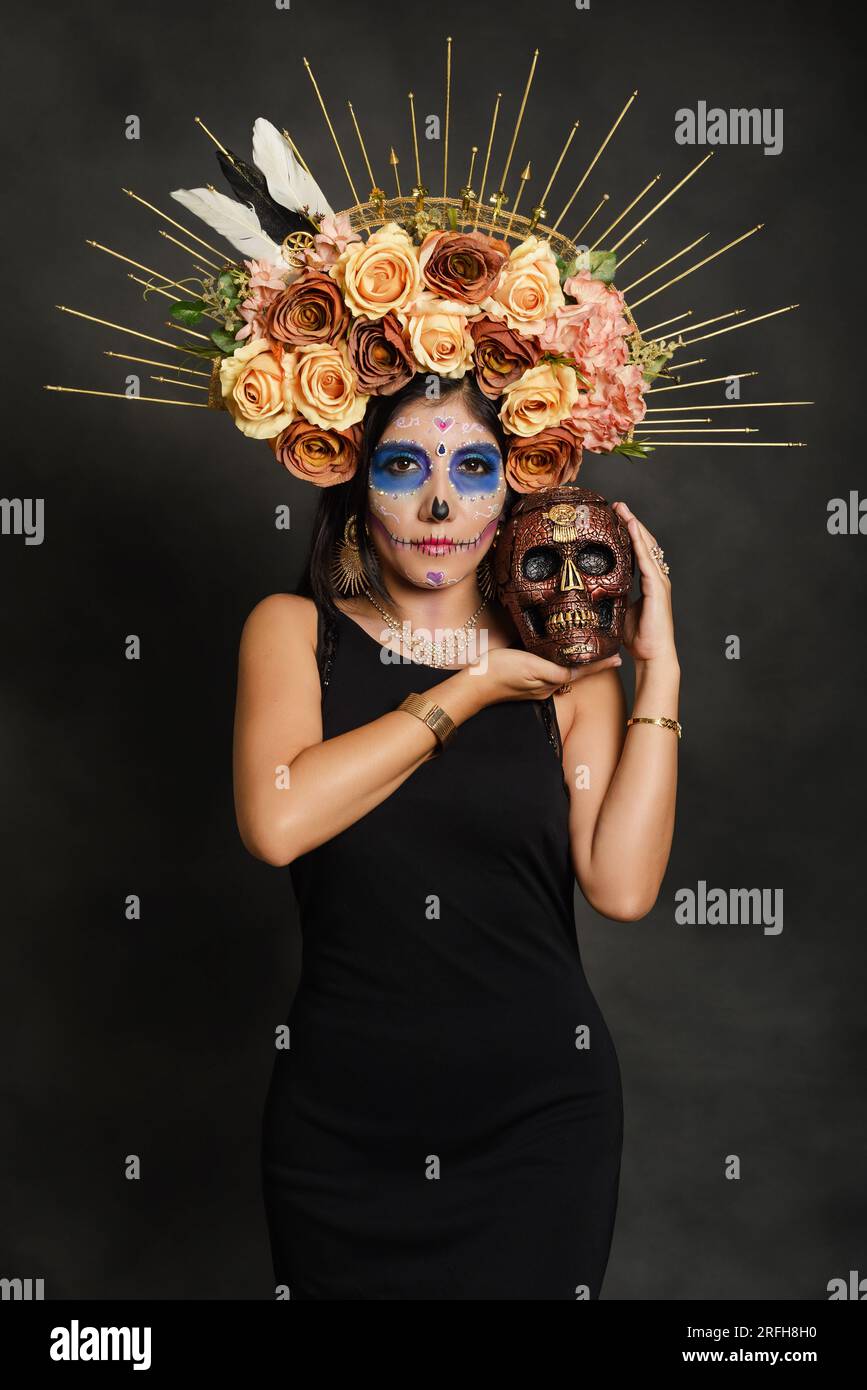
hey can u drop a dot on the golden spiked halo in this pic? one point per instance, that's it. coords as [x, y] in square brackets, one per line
[419, 211]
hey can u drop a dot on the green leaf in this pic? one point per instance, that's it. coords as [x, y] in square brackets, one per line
[226, 342]
[603, 265]
[452, 214]
[633, 450]
[226, 284]
[188, 312]
[566, 268]
[202, 350]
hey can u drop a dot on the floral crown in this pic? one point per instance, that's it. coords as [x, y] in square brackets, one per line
[316, 321]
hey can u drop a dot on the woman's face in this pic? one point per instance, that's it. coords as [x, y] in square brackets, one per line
[436, 488]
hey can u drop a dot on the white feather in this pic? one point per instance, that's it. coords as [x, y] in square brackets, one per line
[235, 221]
[288, 181]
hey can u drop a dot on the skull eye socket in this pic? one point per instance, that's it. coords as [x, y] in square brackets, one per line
[540, 563]
[596, 559]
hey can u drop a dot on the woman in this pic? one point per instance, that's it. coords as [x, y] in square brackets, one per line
[447, 1120]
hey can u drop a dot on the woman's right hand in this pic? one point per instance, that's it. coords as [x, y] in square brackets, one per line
[511, 673]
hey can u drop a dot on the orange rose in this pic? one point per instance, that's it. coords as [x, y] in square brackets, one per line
[461, 265]
[310, 310]
[539, 399]
[378, 274]
[528, 289]
[323, 457]
[252, 387]
[321, 386]
[551, 458]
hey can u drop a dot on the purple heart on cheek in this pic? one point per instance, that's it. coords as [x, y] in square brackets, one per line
[435, 576]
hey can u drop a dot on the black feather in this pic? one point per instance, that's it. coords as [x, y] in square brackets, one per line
[249, 185]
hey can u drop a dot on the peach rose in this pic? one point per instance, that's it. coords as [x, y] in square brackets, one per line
[252, 386]
[528, 290]
[500, 355]
[541, 398]
[439, 335]
[322, 386]
[323, 457]
[311, 310]
[460, 265]
[378, 274]
[551, 458]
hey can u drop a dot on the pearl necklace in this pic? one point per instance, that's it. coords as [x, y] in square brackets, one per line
[423, 649]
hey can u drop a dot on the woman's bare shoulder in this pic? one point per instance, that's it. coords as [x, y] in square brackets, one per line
[284, 618]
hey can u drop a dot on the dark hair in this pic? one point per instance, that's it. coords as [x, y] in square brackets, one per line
[342, 500]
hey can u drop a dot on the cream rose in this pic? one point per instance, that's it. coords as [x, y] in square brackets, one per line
[252, 387]
[528, 290]
[379, 274]
[438, 334]
[322, 386]
[538, 400]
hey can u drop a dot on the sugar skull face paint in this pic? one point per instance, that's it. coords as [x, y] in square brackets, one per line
[436, 488]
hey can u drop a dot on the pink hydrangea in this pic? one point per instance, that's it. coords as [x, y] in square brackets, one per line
[593, 329]
[615, 403]
[266, 282]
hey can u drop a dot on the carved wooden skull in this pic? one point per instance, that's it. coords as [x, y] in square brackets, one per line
[564, 567]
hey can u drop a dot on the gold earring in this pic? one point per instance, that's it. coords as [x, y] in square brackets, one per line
[347, 571]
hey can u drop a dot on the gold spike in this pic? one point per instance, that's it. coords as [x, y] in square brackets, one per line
[696, 361]
[663, 264]
[727, 405]
[663, 425]
[539, 211]
[199, 122]
[758, 318]
[156, 289]
[524, 177]
[331, 129]
[662, 324]
[487, 158]
[178, 286]
[448, 99]
[505, 172]
[602, 201]
[592, 163]
[170, 323]
[394, 161]
[190, 385]
[149, 362]
[708, 381]
[418, 181]
[698, 265]
[722, 444]
[189, 249]
[699, 420]
[227, 260]
[295, 150]
[467, 190]
[658, 205]
[732, 313]
[626, 210]
[621, 260]
[201, 268]
[122, 396]
[361, 143]
[134, 331]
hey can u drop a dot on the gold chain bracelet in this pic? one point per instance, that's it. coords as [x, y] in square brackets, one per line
[663, 723]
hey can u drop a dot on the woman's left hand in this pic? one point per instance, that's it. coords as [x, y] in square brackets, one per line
[648, 627]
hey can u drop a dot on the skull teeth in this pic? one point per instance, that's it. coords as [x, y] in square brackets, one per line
[572, 617]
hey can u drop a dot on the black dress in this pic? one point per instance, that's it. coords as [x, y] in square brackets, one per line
[447, 1120]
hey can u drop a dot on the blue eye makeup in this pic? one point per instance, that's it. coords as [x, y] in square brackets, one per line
[396, 467]
[476, 469]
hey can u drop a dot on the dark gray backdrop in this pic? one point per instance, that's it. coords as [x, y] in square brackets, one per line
[155, 1038]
